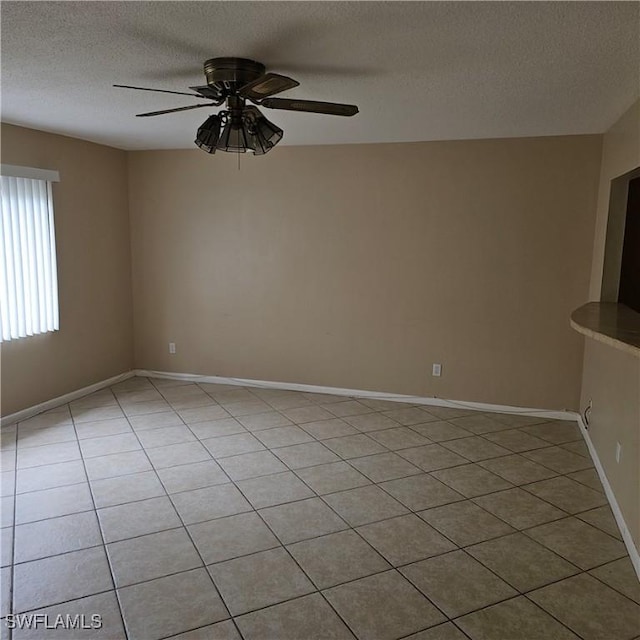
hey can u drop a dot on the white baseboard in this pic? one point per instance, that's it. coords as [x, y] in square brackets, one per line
[60, 400]
[359, 393]
[291, 386]
[634, 554]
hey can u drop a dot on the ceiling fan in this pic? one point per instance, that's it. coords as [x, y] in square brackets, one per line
[239, 127]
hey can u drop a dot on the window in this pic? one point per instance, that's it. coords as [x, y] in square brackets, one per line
[28, 275]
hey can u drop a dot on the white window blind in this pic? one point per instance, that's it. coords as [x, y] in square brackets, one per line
[29, 280]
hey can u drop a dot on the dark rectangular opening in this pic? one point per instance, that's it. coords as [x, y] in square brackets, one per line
[629, 291]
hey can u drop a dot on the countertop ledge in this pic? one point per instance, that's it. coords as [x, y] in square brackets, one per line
[611, 323]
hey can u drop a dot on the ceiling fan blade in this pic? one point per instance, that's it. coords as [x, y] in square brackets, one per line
[180, 93]
[311, 106]
[211, 93]
[159, 113]
[267, 84]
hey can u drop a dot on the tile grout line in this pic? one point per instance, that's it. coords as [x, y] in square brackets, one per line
[12, 571]
[349, 528]
[352, 528]
[523, 486]
[290, 555]
[304, 573]
[601, 581]
[191, 540]
[392, 567]
[526, 595]
[102, 545]
[464, 549]
[95, 511]
[283, 546]
[372, 483]
[465, 498]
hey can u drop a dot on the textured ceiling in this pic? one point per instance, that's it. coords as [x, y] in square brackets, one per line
[417, 70]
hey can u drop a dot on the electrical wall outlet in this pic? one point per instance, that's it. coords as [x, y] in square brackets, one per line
[436, 370]
[618, 452]
[172, 347]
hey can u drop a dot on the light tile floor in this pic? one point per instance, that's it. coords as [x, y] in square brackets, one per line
[203, 511]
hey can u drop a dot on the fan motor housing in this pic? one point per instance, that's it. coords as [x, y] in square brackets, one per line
[230, 74]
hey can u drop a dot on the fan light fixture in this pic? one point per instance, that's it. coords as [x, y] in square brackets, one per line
[236, 132]
[239, 127]
[208, 134]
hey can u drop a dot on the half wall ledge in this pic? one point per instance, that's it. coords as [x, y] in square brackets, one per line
[610, 323]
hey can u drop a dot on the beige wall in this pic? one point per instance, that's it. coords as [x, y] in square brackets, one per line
[612, 381]
[359, 266]
[94, 271]
[611, 378]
